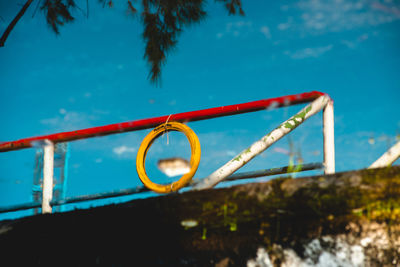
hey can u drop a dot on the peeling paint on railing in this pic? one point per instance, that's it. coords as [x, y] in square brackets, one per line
[387, 158]
[261, 145]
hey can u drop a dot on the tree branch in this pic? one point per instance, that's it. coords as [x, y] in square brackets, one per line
[14, 22]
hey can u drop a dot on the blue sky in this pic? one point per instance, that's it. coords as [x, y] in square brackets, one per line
[94, 74]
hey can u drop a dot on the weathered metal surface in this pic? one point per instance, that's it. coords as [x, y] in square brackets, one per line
[352, 218]
[275, 171]
[388, 157]
[153, 122]
[329, 138]
[48, 173]
[261, 145]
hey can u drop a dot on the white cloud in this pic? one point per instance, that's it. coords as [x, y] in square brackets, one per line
[309, 52]
[266, 32]
[283, 26]
[51, 121]
[238, 25]
[321, 16]
[286, 25]
[236, 29]
[173, 166]
[355, 42]
[231, 153]
[349, 44]
[121, 150]
[87, 95]
[68, 121]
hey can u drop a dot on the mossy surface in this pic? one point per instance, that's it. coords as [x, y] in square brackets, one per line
[202, 228]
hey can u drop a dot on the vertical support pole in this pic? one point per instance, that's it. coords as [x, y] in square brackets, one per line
[64, 175]
[48, 172]
[329, 138]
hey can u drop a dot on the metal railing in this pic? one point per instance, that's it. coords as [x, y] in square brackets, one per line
[388, 157]
[319, 101]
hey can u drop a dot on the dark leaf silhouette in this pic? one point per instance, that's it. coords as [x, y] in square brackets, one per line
[233, 6]
[131, 8]
[57, 12]
[163, 21]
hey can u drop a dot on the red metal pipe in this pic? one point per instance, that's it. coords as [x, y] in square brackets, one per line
[153, 122]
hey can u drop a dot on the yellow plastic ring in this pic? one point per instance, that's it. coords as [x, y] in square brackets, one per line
[145, 146]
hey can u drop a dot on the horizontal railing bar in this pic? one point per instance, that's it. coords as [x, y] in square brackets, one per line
[69, 200]
[117, 193]
[153, 122]
[18, 207]
[142, 189]
[275, 171]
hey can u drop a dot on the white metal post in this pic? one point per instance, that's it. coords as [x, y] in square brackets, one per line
[261, 145]
[388, 158]
[48, 172]
[329, 138]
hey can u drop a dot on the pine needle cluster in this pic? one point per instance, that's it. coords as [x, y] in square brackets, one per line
[163, 21]
[57, 12]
